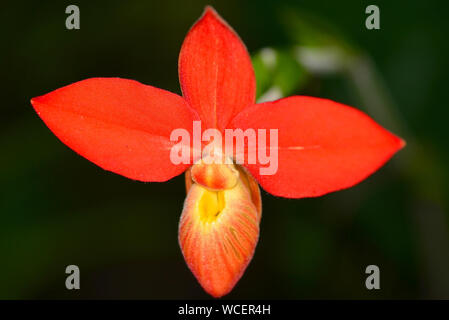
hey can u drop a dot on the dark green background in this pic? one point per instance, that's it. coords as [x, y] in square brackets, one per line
[57, 208]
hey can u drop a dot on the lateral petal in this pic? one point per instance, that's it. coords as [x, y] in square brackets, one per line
[121, 125]
[323, 146]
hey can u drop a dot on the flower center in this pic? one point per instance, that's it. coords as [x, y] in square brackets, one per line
[211, 205]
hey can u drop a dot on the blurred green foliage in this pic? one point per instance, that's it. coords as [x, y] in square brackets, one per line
[58, 209]
[279, 69]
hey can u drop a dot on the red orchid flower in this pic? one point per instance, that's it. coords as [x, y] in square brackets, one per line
[124, 126]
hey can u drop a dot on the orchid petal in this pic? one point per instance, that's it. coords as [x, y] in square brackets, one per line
[218, 233]
[215, 71]
[121, 125]
[323, 146]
